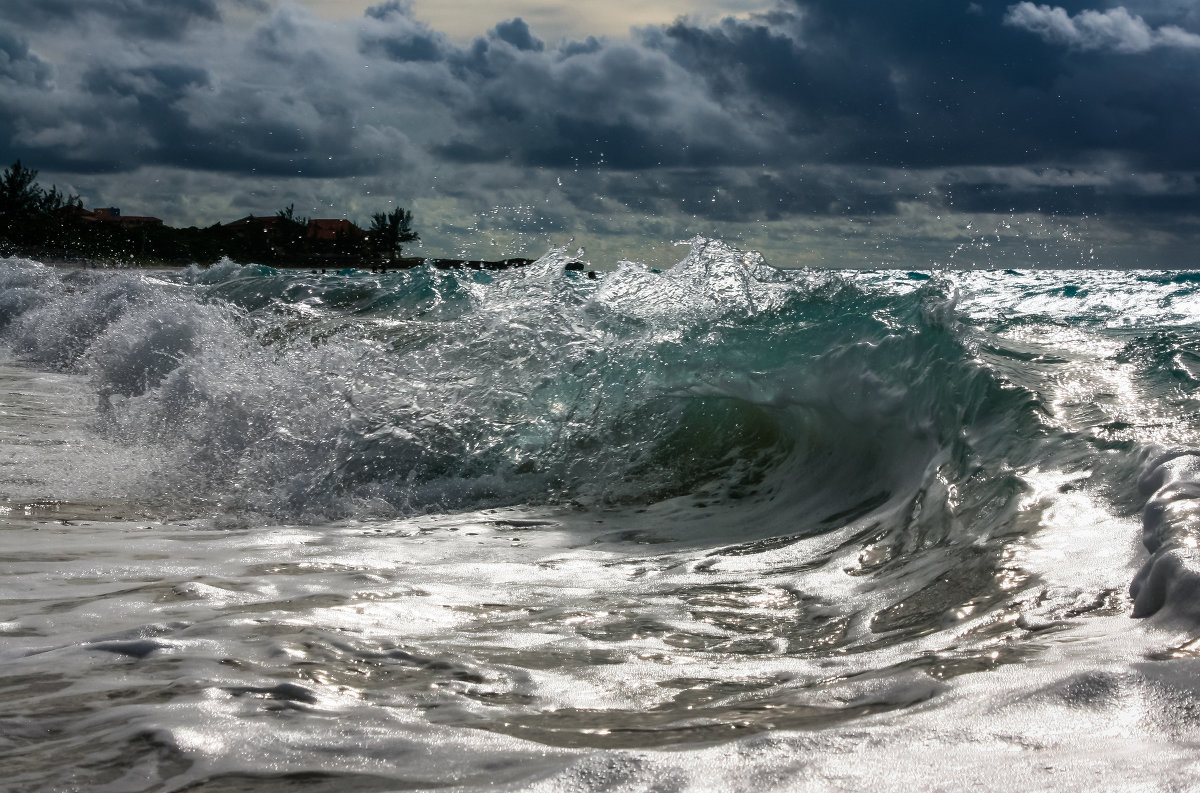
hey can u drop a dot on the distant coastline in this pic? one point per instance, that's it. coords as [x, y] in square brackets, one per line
[57, 229]
[401, 263]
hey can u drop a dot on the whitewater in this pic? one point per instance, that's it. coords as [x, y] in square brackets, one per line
[719, 527]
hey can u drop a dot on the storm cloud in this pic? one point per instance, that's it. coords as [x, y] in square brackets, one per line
[139, 18]
[802, 114]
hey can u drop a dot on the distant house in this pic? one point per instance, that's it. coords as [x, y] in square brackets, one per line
[75, 212]
[113, 215]
[326, 229]
[254, 223]
[334, 229]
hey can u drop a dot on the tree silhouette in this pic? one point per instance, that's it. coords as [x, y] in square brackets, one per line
[27, 212]
[290, 234]
[288, 219]
[390, 230]
[21, 197]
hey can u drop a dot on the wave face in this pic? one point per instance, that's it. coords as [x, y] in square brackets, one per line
[894, 471]
[302, 397]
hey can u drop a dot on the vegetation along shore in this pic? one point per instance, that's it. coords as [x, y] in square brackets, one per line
[56, 228]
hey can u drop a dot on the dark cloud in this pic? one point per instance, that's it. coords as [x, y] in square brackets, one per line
[618, 105]
[142, 18]
[391, 9]
[586, 47]
[159, 84]
[940, 84]
[518, 34]
[745, 196]
[18, 64]
[783, 66]
[868, 82]
[391, 31]
[1181, 197]
[277, 103]
[397, 36]
[865, 82]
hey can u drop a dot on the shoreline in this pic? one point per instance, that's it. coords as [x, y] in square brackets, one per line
[400, 263]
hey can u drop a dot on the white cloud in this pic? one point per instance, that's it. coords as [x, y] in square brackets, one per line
[1114, 29]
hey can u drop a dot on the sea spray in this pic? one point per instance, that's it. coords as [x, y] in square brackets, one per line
[314, 395]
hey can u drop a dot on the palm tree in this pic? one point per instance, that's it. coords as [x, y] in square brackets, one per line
[390, 230]
[27, 211]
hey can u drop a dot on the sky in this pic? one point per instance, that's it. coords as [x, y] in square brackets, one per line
[840, 133]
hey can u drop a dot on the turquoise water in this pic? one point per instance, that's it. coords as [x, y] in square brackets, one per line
[719, 526]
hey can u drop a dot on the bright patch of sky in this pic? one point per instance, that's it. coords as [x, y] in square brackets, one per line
[465, 19]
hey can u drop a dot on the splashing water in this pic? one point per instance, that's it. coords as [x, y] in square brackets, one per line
[720, 526]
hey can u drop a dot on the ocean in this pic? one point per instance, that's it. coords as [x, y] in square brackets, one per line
[719, 527]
